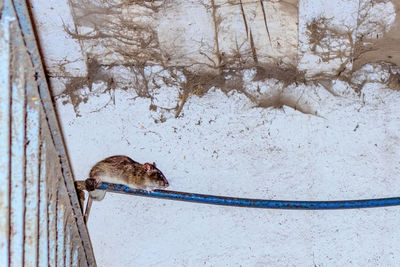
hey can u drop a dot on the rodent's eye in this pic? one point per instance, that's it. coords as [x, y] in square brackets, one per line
[156, 176]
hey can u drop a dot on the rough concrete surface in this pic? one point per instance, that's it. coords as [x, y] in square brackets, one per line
[306, 125]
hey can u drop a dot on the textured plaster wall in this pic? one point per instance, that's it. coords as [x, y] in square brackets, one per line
[298, 141]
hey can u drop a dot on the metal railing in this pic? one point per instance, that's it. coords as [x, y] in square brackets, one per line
[41, 223]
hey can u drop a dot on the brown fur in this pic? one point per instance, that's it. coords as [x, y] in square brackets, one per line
[122, 170]
[129, 172]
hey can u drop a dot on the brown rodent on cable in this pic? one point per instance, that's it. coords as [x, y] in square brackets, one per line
[122, 170]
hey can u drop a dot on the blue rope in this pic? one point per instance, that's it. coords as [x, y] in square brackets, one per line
[253, 203]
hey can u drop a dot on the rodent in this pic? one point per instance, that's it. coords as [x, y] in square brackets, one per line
[122, 170]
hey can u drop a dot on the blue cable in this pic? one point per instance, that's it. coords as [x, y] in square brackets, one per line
[253, 203]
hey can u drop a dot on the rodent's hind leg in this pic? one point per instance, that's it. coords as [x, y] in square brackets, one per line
[92, 183]
[97, 195]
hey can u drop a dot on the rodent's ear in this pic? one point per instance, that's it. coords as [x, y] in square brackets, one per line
[154, 164]
[148, 167]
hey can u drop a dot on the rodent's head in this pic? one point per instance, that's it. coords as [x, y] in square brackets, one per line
[154, 177]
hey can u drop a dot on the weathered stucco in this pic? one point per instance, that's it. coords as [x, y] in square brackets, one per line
[207, 35]
[375, 48]
[311, 129]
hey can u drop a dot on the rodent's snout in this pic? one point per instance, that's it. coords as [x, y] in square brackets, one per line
[164, 183]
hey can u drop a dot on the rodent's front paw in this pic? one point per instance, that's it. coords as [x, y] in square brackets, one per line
[92, 183]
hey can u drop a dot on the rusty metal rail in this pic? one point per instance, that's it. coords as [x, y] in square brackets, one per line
[252, 203]
[41, 223]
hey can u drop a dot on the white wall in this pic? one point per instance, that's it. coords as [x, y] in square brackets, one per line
[238, 150]
[223, 145]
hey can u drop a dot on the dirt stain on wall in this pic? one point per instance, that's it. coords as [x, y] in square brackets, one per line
[214, 49]
[381, 49]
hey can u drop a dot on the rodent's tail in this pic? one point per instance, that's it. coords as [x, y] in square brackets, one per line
[88, 207]
[93, 195]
